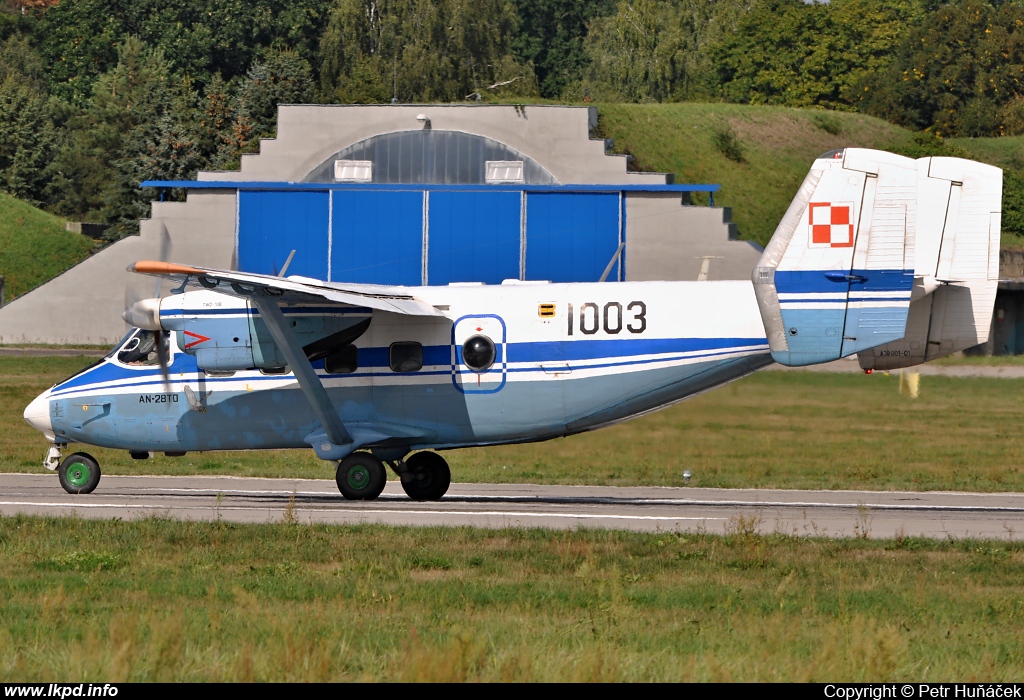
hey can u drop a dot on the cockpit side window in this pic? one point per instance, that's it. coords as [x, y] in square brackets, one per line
[140, 350]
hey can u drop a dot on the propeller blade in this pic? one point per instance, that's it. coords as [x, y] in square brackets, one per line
[165, 255]
[141, 308]
[164, 360]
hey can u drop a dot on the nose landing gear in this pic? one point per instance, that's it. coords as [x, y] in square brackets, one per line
[79, 473]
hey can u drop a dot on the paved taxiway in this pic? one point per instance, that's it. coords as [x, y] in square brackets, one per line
[828, 513]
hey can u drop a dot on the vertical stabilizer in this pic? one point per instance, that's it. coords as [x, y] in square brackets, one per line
[836, 277]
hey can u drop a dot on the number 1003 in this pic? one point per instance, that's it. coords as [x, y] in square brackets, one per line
[611, 318]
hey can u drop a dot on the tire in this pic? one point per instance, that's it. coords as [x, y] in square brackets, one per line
[428, 477]
[361, 477]
[79, 473]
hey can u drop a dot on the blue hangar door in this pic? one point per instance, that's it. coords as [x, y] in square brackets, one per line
[377, 237]
[473, 236]
[571, 237]
[413, 237]
[273, 224]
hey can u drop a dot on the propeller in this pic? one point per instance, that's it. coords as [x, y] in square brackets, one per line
[143, 311]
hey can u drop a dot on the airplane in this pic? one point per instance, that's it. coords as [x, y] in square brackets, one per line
[891, 258]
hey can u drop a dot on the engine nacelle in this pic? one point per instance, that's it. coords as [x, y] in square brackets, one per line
[225, 333]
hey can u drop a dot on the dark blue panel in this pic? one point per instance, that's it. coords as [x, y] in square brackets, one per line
[571, 237]
[473, 237]
[378, 237]
[272, 224]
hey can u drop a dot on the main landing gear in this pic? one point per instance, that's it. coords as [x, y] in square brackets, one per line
[425, 476]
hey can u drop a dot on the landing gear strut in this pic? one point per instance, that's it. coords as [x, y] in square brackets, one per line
[426, 476]
[79, 473]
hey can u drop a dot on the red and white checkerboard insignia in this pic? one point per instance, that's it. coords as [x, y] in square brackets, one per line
[831, 224]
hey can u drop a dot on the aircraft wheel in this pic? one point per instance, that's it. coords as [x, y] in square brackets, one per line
[428, 477]
[361, 477]
[79, 473]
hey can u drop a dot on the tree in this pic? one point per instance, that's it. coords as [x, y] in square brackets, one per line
[789, 53]
[29, 136]
[637, 53]
[127, 102]
[550, 37]
[280, 77]
[958, 73]
[421, 51]
[199, 38]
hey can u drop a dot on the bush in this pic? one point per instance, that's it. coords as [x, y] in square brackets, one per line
[728, 145]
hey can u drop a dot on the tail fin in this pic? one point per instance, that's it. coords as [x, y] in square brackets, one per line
[836, 277]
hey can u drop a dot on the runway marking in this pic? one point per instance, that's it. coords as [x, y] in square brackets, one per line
[357, 511]
[610, 500]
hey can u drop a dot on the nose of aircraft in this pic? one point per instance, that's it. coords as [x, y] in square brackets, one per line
[37, 414]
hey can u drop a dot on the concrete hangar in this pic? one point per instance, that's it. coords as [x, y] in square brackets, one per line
[409, 194]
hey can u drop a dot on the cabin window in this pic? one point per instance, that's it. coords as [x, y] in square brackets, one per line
[406, 357]
[343, 361]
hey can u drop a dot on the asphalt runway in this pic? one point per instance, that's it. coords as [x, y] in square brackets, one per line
[815, 513]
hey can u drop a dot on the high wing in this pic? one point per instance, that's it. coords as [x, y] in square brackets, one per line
[289, 290]
[334, 440]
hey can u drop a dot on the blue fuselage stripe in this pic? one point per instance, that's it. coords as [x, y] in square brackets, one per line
[815, 281]
[618, 353]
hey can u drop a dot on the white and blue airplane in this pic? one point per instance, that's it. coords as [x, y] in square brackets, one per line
[880, 255]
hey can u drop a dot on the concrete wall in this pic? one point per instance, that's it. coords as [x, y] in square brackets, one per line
[665, 240]
[84, 304]
[556, 137]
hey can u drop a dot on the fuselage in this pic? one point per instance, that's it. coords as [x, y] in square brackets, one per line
[567, 358]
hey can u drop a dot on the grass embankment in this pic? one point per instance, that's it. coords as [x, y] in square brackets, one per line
[772, 430]
[34, 247]
[183, 601]
[773, 148]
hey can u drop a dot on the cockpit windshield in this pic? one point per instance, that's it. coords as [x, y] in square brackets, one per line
[120, 344]
[140, 349]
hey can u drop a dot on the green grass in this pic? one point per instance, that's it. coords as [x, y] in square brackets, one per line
[778, 145]
[160, 600]
[699, 143]
[1004, 151]
[772, 430]
[34, 247]
[961, 360]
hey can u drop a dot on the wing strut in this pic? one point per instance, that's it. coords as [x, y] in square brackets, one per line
[311, 386]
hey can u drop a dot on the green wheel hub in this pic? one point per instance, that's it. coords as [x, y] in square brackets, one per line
[358, 476]
[78, 474]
